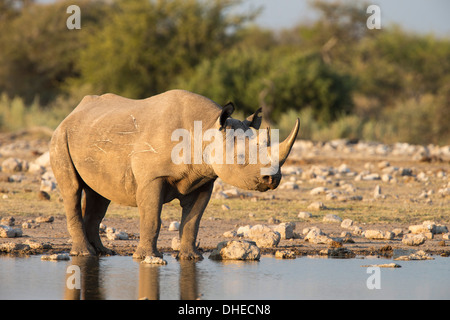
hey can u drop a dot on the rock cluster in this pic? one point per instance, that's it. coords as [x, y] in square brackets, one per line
[265, 236]
[112, 233]
[16, 168]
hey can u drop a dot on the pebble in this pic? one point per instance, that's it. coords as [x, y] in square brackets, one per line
[332, 218]
[8, 221]
[347, 223]
[45, 219]
[419, 255]
[264, 236]
[318, 190]
[385, 265]
[174, 226]
[285, 254]
[8, 232]
[414, 239]
[318, 205]
[176, 243]
[236, 250]
[120, 235]
[154, 260]
[304, 215]
[378, 235]
[56, 257]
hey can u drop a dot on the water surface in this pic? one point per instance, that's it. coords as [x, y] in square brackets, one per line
[121, 277]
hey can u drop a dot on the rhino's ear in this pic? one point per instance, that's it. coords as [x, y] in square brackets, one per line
[254, 121]
[227, 110]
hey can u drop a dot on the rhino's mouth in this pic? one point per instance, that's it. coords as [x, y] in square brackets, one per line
[269, 183]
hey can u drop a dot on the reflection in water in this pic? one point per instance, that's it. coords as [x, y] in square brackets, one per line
[148, 283]
[188, 280]
[90, 283]
[302, 278]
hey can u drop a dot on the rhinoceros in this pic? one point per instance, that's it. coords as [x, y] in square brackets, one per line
[121, 150]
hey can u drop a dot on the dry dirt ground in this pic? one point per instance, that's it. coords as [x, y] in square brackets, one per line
[413, 182]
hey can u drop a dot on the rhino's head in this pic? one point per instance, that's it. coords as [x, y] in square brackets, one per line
[252, 156]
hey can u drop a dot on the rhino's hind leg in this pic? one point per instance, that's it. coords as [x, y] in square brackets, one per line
[71, 185]
[75, 225]
[94, 209]
[71, 193]
[193, 207]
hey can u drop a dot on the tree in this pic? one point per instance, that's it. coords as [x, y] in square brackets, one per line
[145, 44]
[38, 52]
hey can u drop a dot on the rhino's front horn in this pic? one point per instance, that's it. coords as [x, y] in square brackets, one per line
[286, 146]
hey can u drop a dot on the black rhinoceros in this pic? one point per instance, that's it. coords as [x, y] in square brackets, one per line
[128, 151]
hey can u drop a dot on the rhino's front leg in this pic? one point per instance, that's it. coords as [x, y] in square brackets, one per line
[193, 205]
[149, 199]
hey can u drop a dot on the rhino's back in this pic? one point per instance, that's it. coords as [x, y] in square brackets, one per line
[112, 138]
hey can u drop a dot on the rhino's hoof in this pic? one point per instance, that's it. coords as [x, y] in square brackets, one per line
[142, 253]
[105, 252]
[81, 250]
[189, 256]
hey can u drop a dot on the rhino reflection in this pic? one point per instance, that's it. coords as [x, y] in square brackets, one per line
[92, 275]
[90, 280]
[149, 281]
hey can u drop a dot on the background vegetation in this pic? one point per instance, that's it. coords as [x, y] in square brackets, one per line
[342, 79]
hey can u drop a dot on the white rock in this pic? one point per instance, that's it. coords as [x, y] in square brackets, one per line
[12, 165]
[35, 168]
[56, 257]
[243, 231]
[343, 168]
[285, 229]
[176, 243]
[288, 185]
[371, 177]
[317, 206]
[47, 186]
[444, 192]
[285, 254]
[304, 215]
[16, 178]
[236, 250]
[43, 160]
[318, 190]
[110, 230]
[378, 235]
[8, 221]
[7, 232]
[174, 226]
[347, 223]
[377, 193]
[419, 255]
[422, 228]
[413, 239]
[154, 260]
[230, 234]
[264, 236]
[121, 235]
[315, 235]
[332, 218]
